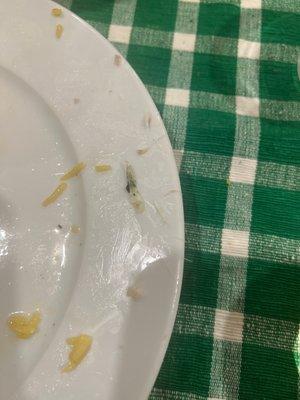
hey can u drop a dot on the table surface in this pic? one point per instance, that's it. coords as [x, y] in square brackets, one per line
[223, 74]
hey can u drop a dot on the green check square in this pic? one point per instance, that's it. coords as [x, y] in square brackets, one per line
[219, 20]
[200, 280]
[150, 63]
[267, 374]
[204, 200]
[279, 81]
[282, 206]
[279, 141]
[280, 27]
[94, 10]
[189, 359]
[210, 131]
[214, 73]
[272, 289]
[156, 14]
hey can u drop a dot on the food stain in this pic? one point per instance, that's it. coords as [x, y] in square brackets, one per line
[73, 172]
[141, 152]
[75, 229]
[136, 199]
[56, 12]
[80, 345]
[102, 168]
[24, 325]
[55, 194]
[59, 31]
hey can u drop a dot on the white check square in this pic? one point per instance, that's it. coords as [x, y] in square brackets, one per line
[247, 106]
[243, 170]
[235, 243]
[247, 49]
[184, 41]
[251, 4]
[119, 33]
[229, 326]
[177, 97]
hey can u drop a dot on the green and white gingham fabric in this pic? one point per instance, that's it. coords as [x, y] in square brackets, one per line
[223, 74]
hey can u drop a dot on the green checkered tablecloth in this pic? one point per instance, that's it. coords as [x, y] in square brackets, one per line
[223, 74]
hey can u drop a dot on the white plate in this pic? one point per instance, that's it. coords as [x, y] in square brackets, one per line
[79, 282]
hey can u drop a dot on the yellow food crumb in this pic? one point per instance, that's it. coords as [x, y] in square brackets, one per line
[59, 31]
[117, 60]
[228, 182]
[80, 347]
[134, 292]
[75, 171]
[75, 229]
[102, 168]
[24, 325]
[54, 196]
[143, 151]
[56, 12]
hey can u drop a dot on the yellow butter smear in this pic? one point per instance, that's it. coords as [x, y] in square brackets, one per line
[75, 171]
[55, 194]
[24, 325]
[80, 347]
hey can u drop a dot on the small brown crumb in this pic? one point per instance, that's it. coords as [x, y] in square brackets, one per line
[59, 31]
[141, 152]
[55, 194]
[59, 226]
[103, 168]
[75, 229]
[134, 293]
[76, 100]
[118, 60]
[56, 12]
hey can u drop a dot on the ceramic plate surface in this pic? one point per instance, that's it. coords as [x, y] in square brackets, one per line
[65, 101]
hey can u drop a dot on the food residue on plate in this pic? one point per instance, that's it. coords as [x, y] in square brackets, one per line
[160, 213]
[24, 325]
[148, 120]
[171, 191]
[59, 31]
[75, 171]
[102, 168]
[56, 12]
[55, 194]
[134, 293]
[143, 151]
[117, 60]
[80, 346]
[76, 100]
[136, 199]
[75, 229]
